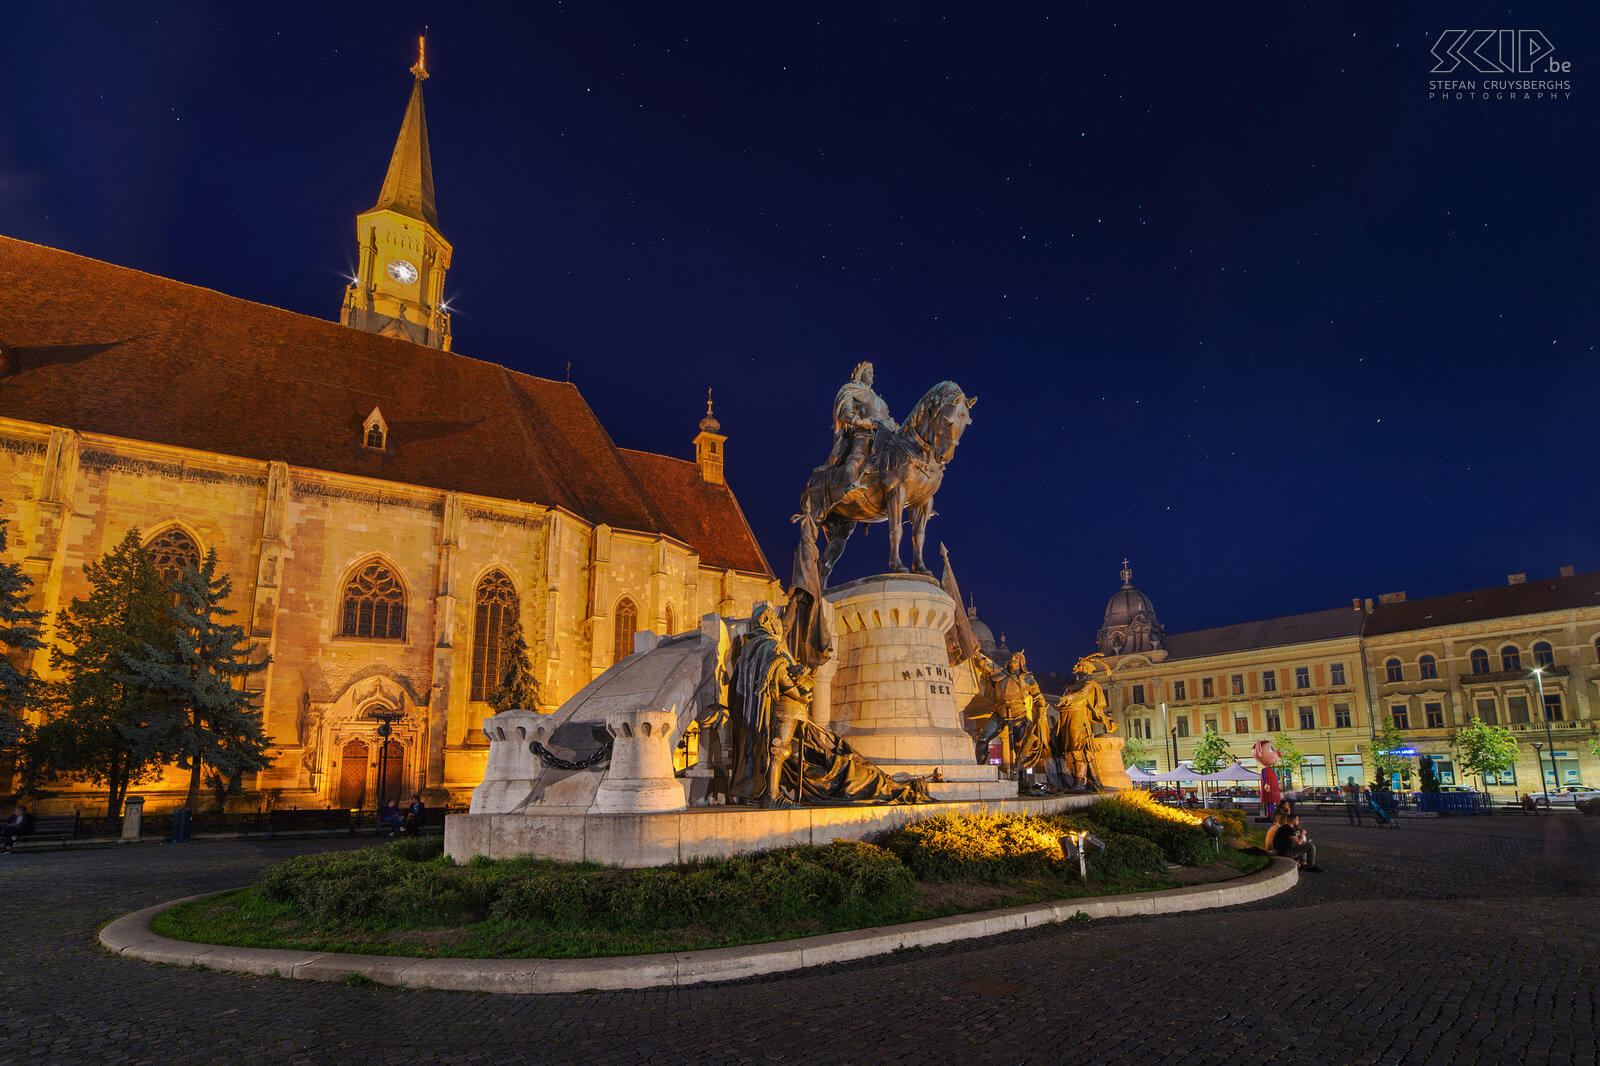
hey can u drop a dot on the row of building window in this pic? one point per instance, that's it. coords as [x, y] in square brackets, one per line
[373, 607]
[1273, 716]
[1269, 683]
[1544, 657]
[1516, 712]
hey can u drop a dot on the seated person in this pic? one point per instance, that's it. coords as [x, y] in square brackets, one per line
[414, 815]
[1286, 839]
[389, 817]
[20, 824]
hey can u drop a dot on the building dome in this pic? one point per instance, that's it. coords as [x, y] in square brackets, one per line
[1130, 622]
[981, 632]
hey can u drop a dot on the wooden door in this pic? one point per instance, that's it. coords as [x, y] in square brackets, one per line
[353, 775]
[394, 777]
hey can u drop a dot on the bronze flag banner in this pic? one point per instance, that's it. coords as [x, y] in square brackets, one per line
[965, 641]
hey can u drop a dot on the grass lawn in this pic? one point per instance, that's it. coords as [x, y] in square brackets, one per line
[408, 899]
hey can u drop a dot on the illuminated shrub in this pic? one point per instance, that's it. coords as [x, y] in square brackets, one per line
[984, 846]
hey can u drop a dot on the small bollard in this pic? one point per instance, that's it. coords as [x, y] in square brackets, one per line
[132, 817]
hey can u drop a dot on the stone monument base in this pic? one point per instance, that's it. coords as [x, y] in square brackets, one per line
[1108, 763]
[662, 838]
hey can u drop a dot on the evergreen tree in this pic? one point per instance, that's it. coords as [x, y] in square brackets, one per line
[209, 723]
[99, 724]
[518, 687]
[1427, 775]
[21, 693]
[1210, 752]
[1482, 749]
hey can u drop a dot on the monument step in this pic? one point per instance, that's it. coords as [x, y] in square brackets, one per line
[949, 771]
[968, 791]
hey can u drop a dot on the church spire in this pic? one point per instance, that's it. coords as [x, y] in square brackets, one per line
[708, 446]
[408, 186]
[398, 288]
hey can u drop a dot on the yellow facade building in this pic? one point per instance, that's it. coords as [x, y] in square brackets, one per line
[1331, 679]
[381, 504]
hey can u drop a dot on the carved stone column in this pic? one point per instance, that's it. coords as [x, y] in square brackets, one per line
[48, 543]
[640, 776]
[444, 621]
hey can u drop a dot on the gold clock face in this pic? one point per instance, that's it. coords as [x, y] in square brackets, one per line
[403, 271]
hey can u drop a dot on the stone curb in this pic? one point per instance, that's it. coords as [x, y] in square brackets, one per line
[131, 936]
[25, 845]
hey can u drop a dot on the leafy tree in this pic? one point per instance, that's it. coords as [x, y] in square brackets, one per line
[209, 723]
[518, 687]
[1384, 752]
[21, 694]
[1293, 757]
[100, 718]
[1210, 752]
[1134, 752]
[1489, 749]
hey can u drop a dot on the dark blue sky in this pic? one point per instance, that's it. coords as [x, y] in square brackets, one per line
[1239, 301]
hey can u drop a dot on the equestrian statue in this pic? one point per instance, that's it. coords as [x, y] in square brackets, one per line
[878, 468]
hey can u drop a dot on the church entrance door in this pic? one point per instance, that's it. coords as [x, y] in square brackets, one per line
[353, 775]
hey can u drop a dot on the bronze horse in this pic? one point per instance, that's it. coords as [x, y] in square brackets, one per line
[905, 471]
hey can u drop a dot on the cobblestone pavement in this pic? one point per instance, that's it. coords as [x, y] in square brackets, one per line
[1448, 940]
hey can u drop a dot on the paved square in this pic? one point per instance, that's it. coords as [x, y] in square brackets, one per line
[1448, 940]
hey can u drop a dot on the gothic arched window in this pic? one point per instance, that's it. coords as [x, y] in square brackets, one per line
[1510, 658]
[1544, 655]
[171, 551]
[671, 624]
[627, 625]
[374, 603]
[1480, 661]
[1427, 667]
[497, 606]
[1392, 671]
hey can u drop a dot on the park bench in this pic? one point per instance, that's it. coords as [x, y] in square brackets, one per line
[54, 826]
[295, 819]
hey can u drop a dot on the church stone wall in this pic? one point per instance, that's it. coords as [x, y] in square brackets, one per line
[290, 538]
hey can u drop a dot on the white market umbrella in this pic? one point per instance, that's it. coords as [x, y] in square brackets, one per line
[1236, 773]
[1136, 774]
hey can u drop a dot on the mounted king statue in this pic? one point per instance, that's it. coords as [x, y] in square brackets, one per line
[877, 468]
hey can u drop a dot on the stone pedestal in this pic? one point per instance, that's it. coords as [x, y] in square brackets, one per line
[512, 775]
[640, 776]
[892, 697]
[132, 817]
[1108, 763]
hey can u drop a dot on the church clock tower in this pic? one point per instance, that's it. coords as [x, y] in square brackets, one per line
[399, 286]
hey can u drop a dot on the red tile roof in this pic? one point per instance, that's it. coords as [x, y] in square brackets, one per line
[105, 349]
[706, 515]
[1497, 601]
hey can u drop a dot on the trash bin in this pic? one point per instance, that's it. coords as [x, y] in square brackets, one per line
[180, 826]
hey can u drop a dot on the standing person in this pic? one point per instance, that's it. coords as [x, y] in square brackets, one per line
[414, 815]
[20, 824]
[1352, 801]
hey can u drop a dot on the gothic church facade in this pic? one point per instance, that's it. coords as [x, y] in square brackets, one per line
[382, 504]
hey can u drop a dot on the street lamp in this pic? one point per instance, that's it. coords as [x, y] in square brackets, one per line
[1538, 678]
[384, 730]
[1538, 756]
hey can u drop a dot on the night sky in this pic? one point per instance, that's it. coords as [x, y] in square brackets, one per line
[1239, 301]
